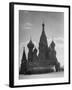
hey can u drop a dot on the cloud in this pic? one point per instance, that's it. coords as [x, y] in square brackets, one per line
[59, 40]
[27, 25]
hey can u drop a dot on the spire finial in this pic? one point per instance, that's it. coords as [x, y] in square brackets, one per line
[30, 38]
[52, 37]
[43, 25]
[23, 48]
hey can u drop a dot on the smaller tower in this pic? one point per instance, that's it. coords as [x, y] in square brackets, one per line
[35, 57]
[23, 63]
[52, 50]
[30, 53]
[53, 58]
[52, 45]
[30, 45]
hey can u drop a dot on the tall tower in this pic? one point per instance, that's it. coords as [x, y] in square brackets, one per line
[43, 38]
[23, 63]
[43, 46]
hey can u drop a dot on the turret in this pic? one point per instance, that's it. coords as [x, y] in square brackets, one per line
[23, 63]
[24, 56]
[52, 45]
[30, 53]
[30, 45]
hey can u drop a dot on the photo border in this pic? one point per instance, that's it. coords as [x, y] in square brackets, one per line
[11, 42]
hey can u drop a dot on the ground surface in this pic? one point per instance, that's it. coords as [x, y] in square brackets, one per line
[46, 75]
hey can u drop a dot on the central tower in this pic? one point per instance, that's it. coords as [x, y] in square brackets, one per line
[43, 46]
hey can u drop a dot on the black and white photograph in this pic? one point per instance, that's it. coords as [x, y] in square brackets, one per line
[41, 44]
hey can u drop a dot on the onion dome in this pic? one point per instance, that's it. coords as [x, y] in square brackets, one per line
[52, 44]
[30, 44]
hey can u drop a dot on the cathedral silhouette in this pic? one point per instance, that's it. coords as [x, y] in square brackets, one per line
[46, 60]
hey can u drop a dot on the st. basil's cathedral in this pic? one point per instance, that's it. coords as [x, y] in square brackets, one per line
[43, 62]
